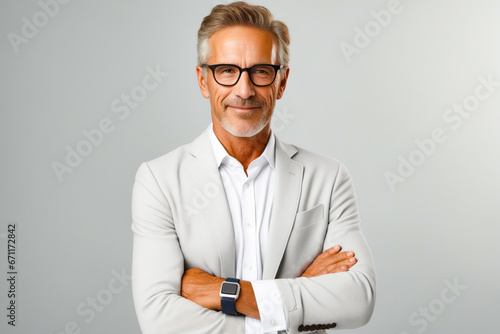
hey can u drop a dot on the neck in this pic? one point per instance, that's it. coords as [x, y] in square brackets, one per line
[243, 149]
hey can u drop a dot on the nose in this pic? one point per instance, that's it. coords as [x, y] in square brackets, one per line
[244, 88]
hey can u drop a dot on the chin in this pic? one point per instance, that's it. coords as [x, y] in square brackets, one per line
[243, 130]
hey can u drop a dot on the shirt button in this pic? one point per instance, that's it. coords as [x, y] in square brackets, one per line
[246, 185]
[273, 322]
[249, 266]
[249, 225]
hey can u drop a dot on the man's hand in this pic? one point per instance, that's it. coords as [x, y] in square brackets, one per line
[329, 262]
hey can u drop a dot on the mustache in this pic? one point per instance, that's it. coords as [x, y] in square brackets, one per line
[239, 102]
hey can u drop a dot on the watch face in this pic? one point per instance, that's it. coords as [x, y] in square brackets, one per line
[229, 288]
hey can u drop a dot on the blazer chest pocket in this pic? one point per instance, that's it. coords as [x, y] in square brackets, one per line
[309, 217]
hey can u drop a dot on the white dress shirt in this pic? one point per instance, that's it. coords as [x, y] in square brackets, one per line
[250, 200]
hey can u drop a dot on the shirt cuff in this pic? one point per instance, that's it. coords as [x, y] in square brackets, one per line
[272, 313]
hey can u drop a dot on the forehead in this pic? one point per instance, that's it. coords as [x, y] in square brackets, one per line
[244, 46]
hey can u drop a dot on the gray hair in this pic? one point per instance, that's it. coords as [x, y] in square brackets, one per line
[242, 14]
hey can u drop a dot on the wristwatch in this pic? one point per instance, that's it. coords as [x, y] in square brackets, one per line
[229, 292]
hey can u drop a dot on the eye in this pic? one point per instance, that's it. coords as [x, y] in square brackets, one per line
[263, 71]
[227, 70]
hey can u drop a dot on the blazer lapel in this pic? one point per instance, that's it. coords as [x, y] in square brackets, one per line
[288, 186]
[204, 174]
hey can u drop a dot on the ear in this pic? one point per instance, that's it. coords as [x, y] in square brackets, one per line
[202, 82]
[282, 85]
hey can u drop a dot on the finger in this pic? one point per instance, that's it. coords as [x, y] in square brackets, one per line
[344, 263]
[342, 266]
[350, 262]
[336, 270]
[324, 260]
[330, 252]
[338, 267]
[339, 257]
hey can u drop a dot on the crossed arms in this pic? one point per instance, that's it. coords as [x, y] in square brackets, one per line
[176, 281]
[203, 288]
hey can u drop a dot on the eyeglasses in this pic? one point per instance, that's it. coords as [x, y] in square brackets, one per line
[261, 75]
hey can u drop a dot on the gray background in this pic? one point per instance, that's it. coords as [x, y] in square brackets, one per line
[439, 225]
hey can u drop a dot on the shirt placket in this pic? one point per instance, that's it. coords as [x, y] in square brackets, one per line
[249, 233]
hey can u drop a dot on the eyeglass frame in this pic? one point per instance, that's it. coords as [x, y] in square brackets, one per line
[246, 69]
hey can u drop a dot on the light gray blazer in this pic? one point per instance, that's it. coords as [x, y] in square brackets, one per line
[181, 220]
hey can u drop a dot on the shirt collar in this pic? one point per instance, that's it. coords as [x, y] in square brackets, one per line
[221, 153]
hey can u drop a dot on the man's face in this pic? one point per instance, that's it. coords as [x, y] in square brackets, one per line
[242, 110]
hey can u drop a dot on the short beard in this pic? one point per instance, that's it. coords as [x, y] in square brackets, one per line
[249, 131]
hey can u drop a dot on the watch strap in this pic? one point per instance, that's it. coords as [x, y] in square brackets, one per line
[228, 304]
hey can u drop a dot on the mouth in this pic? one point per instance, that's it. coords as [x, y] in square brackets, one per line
[243, 110]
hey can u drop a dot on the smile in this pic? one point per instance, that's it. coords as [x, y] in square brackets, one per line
[243, 110]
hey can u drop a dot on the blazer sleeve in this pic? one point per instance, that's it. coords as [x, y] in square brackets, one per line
[340, 300]
[158, 266]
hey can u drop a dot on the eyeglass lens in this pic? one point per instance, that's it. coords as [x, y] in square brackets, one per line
[260, 74]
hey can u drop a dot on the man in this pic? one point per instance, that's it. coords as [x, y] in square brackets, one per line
[239, 232]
